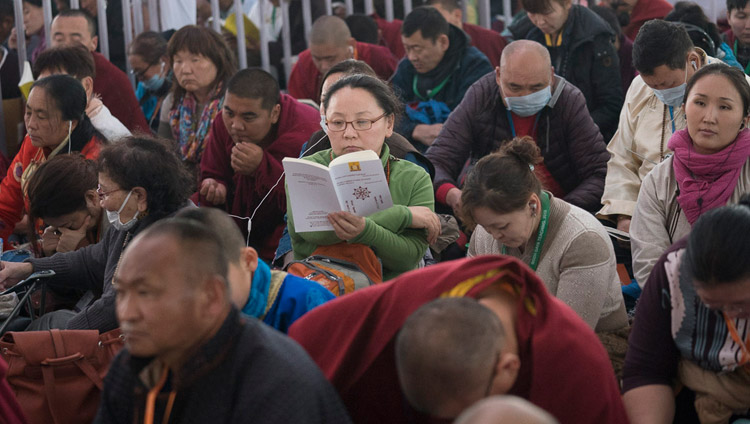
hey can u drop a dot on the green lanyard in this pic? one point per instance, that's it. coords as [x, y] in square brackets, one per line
[543, 222]
[747, 68]
[431, 93]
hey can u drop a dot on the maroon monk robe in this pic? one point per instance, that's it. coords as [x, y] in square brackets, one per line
[304, 81]
[244, 192]
[117, 94]
[564, 368]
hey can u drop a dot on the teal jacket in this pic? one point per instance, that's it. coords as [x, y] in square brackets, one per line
[387, 232]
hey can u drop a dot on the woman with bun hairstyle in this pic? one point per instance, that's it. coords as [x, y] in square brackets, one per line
[564, 244]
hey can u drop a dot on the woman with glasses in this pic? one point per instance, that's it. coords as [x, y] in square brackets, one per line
[141, 180]
[692, 327]
[149, 63]
[360, 114]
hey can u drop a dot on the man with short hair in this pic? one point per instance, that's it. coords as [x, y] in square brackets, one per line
[272, 296]
[78, 62]
[738, 35]
[666, 59]
[330, 43]
[76, 26]
[494, 329]
[505, 409]
[241, 164]
[487, 41]
[523, 97]
[439, 67]
[189, 356]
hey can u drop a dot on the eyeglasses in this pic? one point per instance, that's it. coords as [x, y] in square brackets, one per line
[359, 124]
[141, 75]
[103, 194]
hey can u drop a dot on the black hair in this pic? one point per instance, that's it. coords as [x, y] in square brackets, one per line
[38, 3]
[718, 246]
[76, 61]
[152, 164]
[609, 17]
[255, 83]
[383, 94]
[428, 21]
[363, 28]
[70, 99]
[539, 6]
[661, 43]
[736, 4]
[150, 46]
[80, 13]
[348, 67]
[449, 5]
[58, 187]
[703, 33]
[6, 9]
[734, 75]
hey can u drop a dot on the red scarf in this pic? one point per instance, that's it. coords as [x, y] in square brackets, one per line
[564, 368]
[706, 181]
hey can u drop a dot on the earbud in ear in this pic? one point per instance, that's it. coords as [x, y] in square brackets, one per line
[695, 66]
[351, 50]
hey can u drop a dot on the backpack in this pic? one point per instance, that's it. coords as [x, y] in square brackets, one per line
[342, 268]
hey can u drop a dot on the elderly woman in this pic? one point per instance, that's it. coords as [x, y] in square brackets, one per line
[360, 114]
[564, 244]
[692, 325]
[709, 167]
[57, 124]
[140, 181]
[202, 64]
[150, 64]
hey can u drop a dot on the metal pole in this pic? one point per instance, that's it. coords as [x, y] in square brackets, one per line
[128, 30]
[306, 15]
[349, 7]
[137, 18]
[75, 4]
[389, 10]
[287, 34]
[241, 44]
[265, 57]
[153, 16]
[215, 16]
[407, 7]
[464, 11]
[507, 12]
[329, 8]
[485, 16]
[101, 15]
[20, 34]
[369, 7]
[47, 11]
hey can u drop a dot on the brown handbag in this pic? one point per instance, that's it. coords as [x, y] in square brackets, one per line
[57, 374]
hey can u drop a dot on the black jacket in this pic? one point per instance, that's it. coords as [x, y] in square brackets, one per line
[586, 58]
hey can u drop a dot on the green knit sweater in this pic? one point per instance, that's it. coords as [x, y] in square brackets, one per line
[399, 248]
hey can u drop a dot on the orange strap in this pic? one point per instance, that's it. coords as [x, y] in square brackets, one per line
[745, 357]
[150, 413]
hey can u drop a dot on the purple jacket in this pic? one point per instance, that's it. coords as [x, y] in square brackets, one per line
[571, 144]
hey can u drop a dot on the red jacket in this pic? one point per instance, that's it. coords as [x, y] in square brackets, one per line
[244, 192]
[564, 367]
[13, 200]
[118, 95]
[304, 82]
[644, 11]
[390, 34]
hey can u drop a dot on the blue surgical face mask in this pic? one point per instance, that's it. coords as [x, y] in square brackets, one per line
[673, 96]
[155, 82]
[529, 104]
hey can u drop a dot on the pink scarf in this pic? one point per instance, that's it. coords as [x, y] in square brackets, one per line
[706, 181]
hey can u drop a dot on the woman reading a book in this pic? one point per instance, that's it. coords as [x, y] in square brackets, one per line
[360, 114]
[564, 244]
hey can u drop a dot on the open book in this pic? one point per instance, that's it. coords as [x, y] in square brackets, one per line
[354, 182]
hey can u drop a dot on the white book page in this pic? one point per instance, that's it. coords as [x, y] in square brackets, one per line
[311, 195]
[361, 184]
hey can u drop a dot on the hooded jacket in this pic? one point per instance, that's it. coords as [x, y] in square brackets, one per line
[587, 59]
[570, 142]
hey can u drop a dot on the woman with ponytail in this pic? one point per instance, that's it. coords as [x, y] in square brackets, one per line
[56, 122]
[564, 244]
[709, 168]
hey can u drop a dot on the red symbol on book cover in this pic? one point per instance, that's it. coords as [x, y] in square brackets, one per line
[361, 193]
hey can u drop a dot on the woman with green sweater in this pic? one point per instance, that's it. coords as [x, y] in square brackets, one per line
[360, 115]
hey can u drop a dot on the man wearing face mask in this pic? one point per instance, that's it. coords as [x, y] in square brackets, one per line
[523, 97]
[241, 162]
[665, 57]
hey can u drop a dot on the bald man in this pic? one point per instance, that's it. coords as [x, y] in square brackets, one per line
[331, 43]
[524, 97]
[505, 409]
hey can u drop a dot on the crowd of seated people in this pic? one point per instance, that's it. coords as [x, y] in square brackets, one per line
[586, 156]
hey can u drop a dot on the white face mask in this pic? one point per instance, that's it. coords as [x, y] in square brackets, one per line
[114, 217]
[323, 124]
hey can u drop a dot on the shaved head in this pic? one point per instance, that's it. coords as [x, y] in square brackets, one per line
[523, 50]
[505, 409]
[330, 30]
